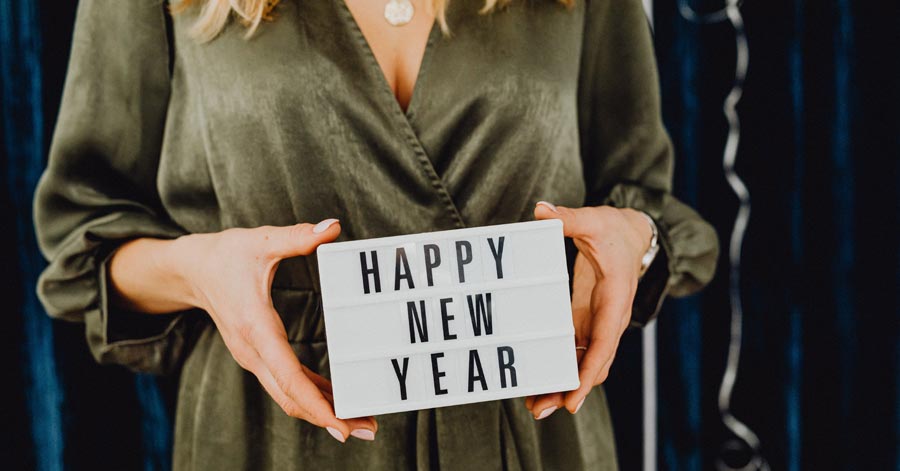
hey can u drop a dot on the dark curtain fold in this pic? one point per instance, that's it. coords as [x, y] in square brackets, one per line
[818, 377]
[64, 411]
[820, 153]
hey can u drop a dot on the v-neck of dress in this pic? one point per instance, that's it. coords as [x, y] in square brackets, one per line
[405, 119]
[384, 86]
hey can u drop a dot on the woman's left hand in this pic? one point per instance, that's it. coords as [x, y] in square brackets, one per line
[611, 243]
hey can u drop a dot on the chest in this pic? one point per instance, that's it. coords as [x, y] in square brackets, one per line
[343, 56]
[301, 122]
[303, 117]
[397, 33]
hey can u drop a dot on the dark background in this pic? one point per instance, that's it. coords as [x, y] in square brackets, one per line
[820, 153]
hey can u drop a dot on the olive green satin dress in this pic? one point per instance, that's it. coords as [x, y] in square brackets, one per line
[160, 136]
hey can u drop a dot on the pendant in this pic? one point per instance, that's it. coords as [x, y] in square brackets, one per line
[399, 12]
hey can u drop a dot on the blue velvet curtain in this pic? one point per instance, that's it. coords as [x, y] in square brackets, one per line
[820, 153]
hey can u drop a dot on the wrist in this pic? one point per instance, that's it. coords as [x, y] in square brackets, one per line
[649, 236]
[174, 261]
[144, 276]
[638, 221]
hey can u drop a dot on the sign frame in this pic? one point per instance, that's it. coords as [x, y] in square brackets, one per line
[536, 279]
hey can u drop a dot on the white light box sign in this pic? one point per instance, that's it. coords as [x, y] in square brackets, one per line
[446, 318]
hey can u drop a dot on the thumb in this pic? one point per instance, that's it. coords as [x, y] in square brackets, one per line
[577, 223]
[302, 239]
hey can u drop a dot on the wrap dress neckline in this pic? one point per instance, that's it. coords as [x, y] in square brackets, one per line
[403, 121]
[376, 75]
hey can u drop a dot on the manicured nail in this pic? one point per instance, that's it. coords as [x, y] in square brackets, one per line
[363, 434]
[546, 413]
[336, 434]
[550, 206]
[579, 405]
[323, 226]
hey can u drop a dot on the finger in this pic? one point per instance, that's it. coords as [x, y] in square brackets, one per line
[300, 239]
[594, 358]
[270, 342]
[547, 404]
[311, 404]
[363, 428]
[317, 379]
[529, 402]
[287, 404]
[372, 423]
[578, 223]
[604, 336]
[604, 372]
[246, 356]
[270, 385]
[583, 282]
[593, 370]
[579, 354]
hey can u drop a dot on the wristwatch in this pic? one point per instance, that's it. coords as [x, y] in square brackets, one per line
[648, 257]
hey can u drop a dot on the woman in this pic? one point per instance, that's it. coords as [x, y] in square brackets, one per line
[188, 159]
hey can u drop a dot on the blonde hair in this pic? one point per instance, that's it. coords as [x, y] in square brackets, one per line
[214, 14]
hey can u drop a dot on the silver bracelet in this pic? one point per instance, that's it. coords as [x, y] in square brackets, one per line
[650, 255]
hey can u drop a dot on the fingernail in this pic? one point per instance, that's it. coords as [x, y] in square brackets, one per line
[546, 412]
[550, 206]
[363, 434]
[323, 226]
[336, 434]
[579, 405]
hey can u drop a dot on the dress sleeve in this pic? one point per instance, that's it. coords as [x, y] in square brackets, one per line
[627, 154]
[99, 188]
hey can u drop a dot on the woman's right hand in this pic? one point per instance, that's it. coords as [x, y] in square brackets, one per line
[229, 275]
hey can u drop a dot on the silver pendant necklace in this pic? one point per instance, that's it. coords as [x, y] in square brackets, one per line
[399, 12]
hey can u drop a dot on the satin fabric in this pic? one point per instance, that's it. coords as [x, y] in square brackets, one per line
[160, 136]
